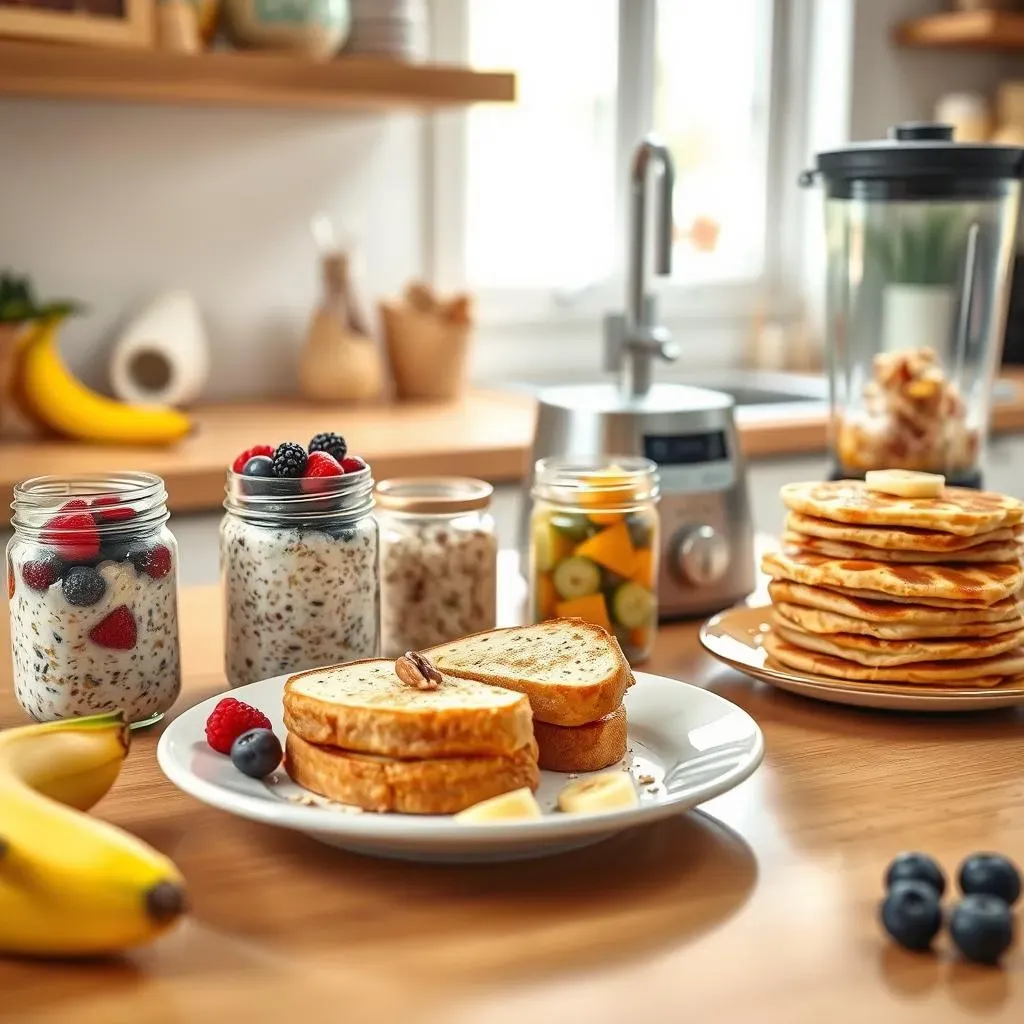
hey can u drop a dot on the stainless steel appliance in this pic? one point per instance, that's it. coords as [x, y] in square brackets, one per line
[707, 557]
[920, 232]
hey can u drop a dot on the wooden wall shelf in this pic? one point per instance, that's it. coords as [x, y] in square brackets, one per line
[241, 79]
[964, 30]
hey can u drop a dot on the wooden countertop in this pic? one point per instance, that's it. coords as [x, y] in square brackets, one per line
[487, 434]
[760, 908]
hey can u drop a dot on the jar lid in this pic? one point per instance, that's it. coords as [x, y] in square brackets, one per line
[605, 481]
[918, 160]
[434, 495]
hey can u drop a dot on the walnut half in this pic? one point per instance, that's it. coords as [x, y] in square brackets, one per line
[418, 671]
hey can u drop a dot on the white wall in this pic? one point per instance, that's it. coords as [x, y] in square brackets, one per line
[891, 84]
[110, 203]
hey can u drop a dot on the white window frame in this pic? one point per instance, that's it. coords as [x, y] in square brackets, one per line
[774, 293]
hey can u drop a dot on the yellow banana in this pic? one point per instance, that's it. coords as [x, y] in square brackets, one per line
[51, 394]
[72, 885]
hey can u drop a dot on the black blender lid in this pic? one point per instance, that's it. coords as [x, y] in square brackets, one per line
[918, 156]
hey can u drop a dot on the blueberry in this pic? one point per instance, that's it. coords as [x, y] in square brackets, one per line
[911, 914]
[83, 586]
[117, 550]
[990, 874]
[981, 927]
[916, 867]
[256, 753]
[259, 465]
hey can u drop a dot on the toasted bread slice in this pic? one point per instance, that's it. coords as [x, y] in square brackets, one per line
[434, 786]
[582, 748]
[573, 671]
[364, 707]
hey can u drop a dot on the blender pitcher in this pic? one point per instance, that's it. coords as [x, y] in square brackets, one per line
[920, 240]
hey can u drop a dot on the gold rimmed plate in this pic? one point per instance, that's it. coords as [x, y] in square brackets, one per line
[736, 637]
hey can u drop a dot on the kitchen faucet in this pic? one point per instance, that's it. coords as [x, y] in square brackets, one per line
[633, 340]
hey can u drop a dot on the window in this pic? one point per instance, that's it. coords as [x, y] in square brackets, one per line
[542, 184]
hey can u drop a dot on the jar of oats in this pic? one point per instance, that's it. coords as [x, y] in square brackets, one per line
[438, 561]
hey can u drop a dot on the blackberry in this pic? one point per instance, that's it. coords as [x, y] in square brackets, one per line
[333, 444]
[289, 459]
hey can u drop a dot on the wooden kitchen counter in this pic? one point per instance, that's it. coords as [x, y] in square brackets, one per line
[487, 434]
[760, 909]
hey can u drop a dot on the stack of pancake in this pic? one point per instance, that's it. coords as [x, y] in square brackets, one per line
[874, 587]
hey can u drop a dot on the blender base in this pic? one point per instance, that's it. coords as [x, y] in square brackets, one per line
[972, 479]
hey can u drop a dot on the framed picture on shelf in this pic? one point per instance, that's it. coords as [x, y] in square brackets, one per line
[92, 22]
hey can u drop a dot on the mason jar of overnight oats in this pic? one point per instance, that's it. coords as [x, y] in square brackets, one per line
[439, 561]
[92, 583]
[299, 566]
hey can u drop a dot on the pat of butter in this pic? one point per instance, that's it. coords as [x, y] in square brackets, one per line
[904, 483]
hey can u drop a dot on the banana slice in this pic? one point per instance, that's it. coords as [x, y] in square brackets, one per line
[609, 791]
[904, 483]
[519, 805]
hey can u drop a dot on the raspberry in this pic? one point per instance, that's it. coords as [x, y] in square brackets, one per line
[73, 535]
[74, 505]
[289, 459]
[155, 561]
[261, 449]
[42, 572]
[229, 719]
[333, 444]
[117, 631]
[353, 464]
[109, 509]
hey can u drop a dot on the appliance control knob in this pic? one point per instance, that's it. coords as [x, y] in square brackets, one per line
[702, 556]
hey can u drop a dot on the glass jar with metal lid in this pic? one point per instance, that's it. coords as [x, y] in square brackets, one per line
[299, 561]
[594, 546]
[438, 561]
[92, 578]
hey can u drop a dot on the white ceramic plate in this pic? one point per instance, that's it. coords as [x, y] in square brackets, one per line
[736, 637]
[695, 744]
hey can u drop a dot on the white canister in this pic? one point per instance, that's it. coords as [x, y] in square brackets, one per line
[917, 316]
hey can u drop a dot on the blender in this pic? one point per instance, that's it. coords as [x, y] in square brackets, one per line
[920, 234]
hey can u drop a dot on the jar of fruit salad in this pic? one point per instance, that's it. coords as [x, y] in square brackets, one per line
[439, 561]
[298, 550]
[92, 582]
[594, 546]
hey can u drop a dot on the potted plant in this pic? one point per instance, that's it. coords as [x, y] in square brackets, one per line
[920, 260]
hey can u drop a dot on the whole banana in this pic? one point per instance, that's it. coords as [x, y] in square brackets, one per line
[71, 885]
[49, 393]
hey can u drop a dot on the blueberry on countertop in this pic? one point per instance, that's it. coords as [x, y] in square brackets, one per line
[911, 914]
[916, 867]
[256, 753]
[83, 586]
[981, 927]
[990, 874]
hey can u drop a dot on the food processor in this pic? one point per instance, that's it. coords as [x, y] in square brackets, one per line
[920, 235]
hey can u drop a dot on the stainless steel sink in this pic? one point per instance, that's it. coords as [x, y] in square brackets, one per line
[775, 395]
[758, 395]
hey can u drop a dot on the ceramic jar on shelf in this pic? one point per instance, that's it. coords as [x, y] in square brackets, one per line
[313, 28]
